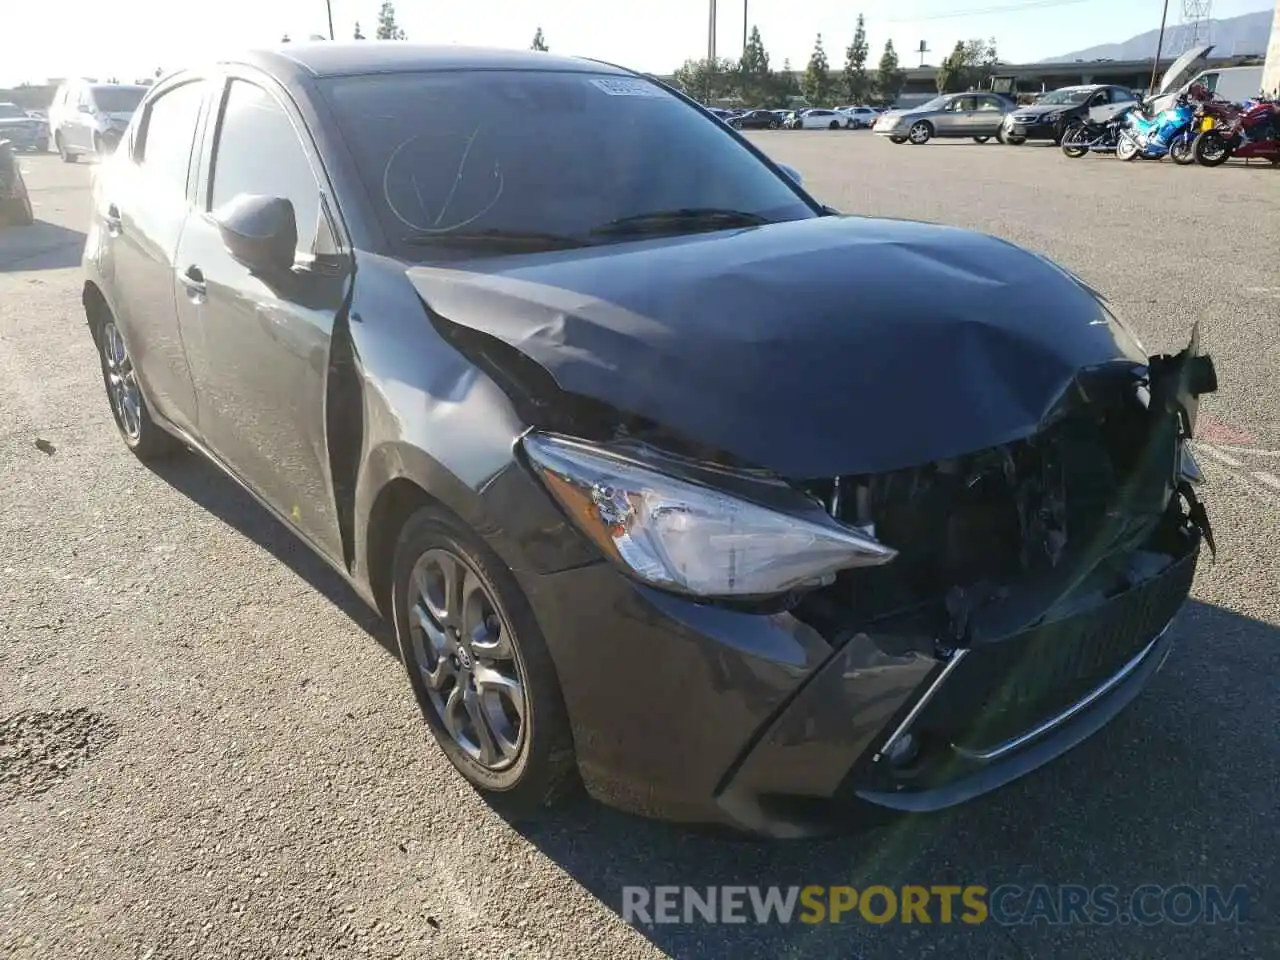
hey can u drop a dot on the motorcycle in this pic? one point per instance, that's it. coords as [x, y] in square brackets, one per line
[1248, 131]
[1169, 132]
[1085, 136]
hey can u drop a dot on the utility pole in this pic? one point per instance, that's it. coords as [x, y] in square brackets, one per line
[711, 33]
[1155, 65]
[744, 26]
[328, 6]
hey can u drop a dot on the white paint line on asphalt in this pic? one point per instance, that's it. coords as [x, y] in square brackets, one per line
[1219, 455]
[1270, 479]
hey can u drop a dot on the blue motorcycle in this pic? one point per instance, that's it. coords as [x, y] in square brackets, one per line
[1170, 132]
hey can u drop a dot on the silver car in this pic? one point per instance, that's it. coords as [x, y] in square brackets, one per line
[975, 114]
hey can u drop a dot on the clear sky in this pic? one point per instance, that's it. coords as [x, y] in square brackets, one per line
[131, 38]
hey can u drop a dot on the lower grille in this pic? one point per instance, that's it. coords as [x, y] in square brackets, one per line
[1005, 688]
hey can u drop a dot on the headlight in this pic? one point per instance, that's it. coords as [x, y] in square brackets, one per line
[680, 533]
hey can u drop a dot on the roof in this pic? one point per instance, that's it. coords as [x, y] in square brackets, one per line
[328, 58]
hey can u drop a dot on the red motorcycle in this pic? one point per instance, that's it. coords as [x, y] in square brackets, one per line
[1244, 132]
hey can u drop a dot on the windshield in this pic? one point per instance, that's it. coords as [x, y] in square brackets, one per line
[1065, 96]
[937, 103]
[10, 110]
[118, 99]
[543, 152]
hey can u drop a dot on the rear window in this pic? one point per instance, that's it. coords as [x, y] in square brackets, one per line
[541, 151]
[118, 99]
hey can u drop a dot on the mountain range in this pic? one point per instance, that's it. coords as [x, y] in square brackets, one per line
[1245, 34]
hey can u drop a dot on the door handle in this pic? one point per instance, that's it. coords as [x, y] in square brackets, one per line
[113, 220]
[193, 280]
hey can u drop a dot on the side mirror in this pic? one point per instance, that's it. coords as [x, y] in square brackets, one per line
[260, 232]
[791, 172]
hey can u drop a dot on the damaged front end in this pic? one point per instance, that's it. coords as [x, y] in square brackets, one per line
[1038, 573]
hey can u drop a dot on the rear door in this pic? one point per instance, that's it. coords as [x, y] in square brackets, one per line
[259, 346]
[144, 203]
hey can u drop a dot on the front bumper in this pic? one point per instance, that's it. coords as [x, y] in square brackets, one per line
[702, 714]
[1032, 128]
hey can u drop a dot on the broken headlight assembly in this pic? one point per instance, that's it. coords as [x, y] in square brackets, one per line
[697, 530]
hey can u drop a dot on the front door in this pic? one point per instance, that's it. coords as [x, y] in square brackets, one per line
[146, 209]
[259, 345]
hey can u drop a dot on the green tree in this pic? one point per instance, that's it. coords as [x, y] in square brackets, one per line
[817, 83]
[388, 29]
[857, 85]
[890, 78]
[539, 41]
[358, 34]
[755, 79]
[969, 66]
[707, 80]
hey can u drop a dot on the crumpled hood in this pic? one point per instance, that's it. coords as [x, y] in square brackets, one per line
[815, 348]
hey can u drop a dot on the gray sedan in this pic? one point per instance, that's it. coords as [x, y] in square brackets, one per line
[976, 115]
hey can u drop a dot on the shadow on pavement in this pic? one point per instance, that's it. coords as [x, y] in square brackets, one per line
[1179, 789]
[205, 484]
[41, 246]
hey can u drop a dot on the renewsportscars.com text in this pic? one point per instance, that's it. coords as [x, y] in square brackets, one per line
[1006, 905]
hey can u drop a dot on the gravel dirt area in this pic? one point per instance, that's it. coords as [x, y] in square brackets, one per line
[208, 747]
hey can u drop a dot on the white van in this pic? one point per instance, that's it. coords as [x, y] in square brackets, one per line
[1225, 83]
[85, 116]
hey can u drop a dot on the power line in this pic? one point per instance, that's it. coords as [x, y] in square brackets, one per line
[981, 11]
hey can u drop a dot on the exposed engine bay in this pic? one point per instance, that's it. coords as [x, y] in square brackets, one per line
[997, 541]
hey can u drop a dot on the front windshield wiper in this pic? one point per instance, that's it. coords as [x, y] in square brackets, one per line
[495, 237]
[683, 218]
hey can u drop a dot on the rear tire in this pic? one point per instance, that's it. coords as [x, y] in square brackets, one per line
[62, 149]
[124, 395]
[834, 125]
[1127, 148]
[981, 139]
[897, 139]
[1014, 141]
[17, 213]
[536, 768]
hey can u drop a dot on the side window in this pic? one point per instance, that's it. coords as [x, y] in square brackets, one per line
[86, 98]
[168, 134]
[259, 152]
[1210, 80]
[990, 104]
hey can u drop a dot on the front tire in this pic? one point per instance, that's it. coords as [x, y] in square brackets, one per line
[981, 139]
[898, 140]
[128, 406]
[17, 213]
[1182, 150]
[479, 666]
[1211, 149]
[42, 146]
[920, 133]
[1127, 148]
[1071, 141]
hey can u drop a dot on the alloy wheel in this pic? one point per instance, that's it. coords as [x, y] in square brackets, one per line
[470, 668]
[920, 133]
[122, 382]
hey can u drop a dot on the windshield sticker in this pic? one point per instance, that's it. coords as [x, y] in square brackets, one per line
[627, 87]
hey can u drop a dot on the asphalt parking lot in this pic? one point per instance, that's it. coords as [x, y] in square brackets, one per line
[208, 748]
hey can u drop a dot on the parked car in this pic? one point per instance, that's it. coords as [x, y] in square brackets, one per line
[650, 535]
[976, 115]
[863, 117]
[23, 131]
[756, 120]
[1049, 115]
[822, 119]
[89, 118]
[15, 201]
